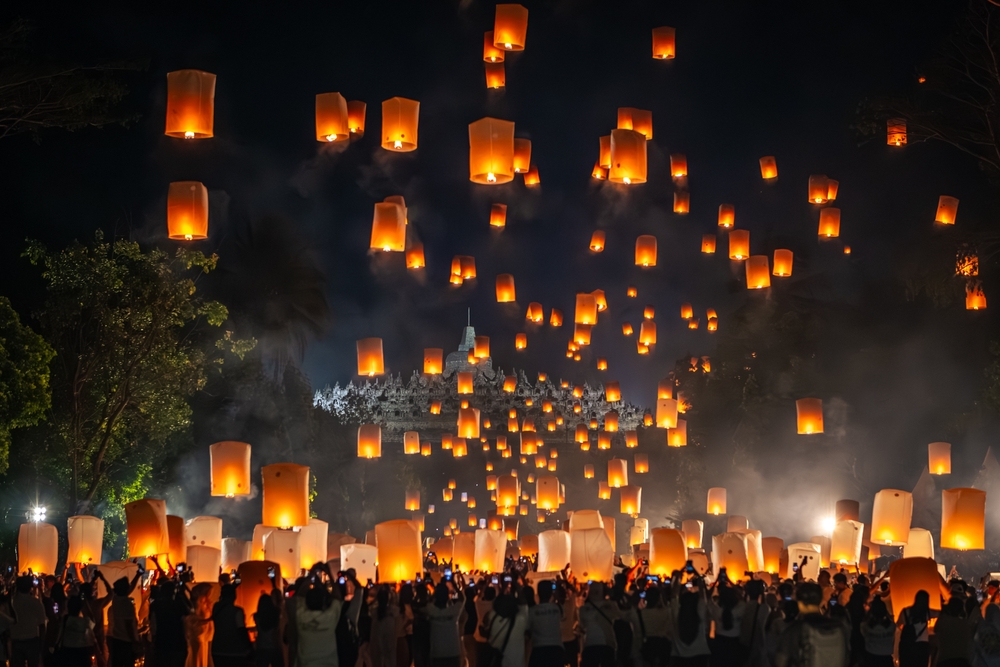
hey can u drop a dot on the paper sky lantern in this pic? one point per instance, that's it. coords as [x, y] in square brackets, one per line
[547, 493]
[768, 168]
[708, 244]
[677, 436]
[388, 228]
[286, 494]
[604, 156]
[603, 491]
[818, 189]
[617, 473]
[204, 563]
[664, 46]
[465, 382]
[522, 155]
[631, 500]
[230, 468]
[234, 552]
[411, 442]
[464, 550]
[611, 422]
[37, 548]
[177, 540]
[361, 558]
[829, 223]
[481, 347]
[146, 522]
[356, 118]
[716, 501]
[597, 241]
[939, 458]
[910, 575]
[727, 216]
[666, 413]
[260, 531]
[639, 120]
[187, 211]
[632, 441]
[739, 244]
[598, 172]
[370, 357]
[737, 522]
[556, 318]
[331, 118]
[729, 550]
[284, 547]
[498, 216]
[600, 299]
[586, 309]
[553, 550]
[510, 27]
[771, 547]
[399, 555]
[415, 257]
[845, 545]
[947, 210]
[628, 157]
[713, 324]
[496, 77]
[205, 531]
[920, 544]
[400, 118]
[895, 131]
[782, 262]
[412, 501]
[531, 177]
[505, 288]
[535, 313]
[758, 272]
[693, 531]
[255, 582]
[591, 555]
[847, 510]
[490, 548]
[612, 392]
[508, 491]
[975, 299]
[433, 360]
[665, 389]
[963, 517]
[645, 250]
[190, 104]
[369, 441]
[809, 415]
[491, 151]
[468, 423]
[491, 54]
[891, 515]
[678, 165]
[86, 539]
[682, 202]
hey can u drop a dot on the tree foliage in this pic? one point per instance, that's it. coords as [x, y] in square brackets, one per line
[132, 345]
[37, 93]
[24, 377]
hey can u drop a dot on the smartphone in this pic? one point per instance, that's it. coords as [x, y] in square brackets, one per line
[237, 581]
[642, 594]
[507, 579]
[689, 567]
[55, 607]
[270, 572]
[180, 567]
[447, 574]
[342, 581]
[653, 578]
[495, 580]
[795, 567]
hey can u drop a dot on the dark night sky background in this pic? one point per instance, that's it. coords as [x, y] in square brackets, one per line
[750, 79]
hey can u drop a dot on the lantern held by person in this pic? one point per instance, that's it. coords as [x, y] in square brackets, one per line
[37, 547]
[399, 555]
[146, 523]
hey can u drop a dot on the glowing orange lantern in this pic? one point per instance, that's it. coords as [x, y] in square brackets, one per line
[611, 422]
[597, 241]
[664, 46]
[832, 187]
[187, 211]
[356, 118]
[895, 131]
[496, 77]
[639, 120]
[739, 244]
[522, 155]
[910, 575]
[627, 329]
[369, 441]
[505, 288]
[665, 389]
[677, 436]
[783, 262]
[331, 118]
[947, 210]
[535, 313]
[818, 189]
[758, 272]
[645, 250]
[939, 458]
[400, 118]
[631, 292]
[667, 551]
[146, 523]
[693, 531]
[415, 257]
[631, 439]
[891, 516]
[86, 538]
[678, 166]
[612, 392]
[617, 473]
[586, 309]
[682, 202]
[491, 151]
[641, 463]
[491, 53]
[411, 442]
[599, 173]
[177, 540]
[460, 448]
[520, 341]
[768, 168]
[604, 156]
[727, 215]
[190, 104]
[829, 223]
[975, 298]
[230, 463]
[628, 157]
[716, 501]
[556, 318]
[37, 548]
[809, 415]
[388, 228]
[510, 27]
[772, 548]
[400, 557]
[666, 413]
[433, 363]
[370, 357]
[603, 491]
[531, 177]
[631, 500]
[465, 382]
[547, 493]
[468, 423]
[647, 333]
[498, 215]
[963, 519]
[286, 495]
[509, 384]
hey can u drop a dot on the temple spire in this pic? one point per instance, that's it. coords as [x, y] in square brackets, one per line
[468, 317]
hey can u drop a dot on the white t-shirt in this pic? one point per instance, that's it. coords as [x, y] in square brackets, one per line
[544, 621]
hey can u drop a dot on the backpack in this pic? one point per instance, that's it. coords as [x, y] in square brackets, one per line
[823, 644]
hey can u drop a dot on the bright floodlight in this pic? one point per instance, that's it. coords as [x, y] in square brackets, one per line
[829, 523]
[38, 514]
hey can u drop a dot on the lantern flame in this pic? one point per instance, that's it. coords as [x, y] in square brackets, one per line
[397, 144]
[189, 135]
[491, 177]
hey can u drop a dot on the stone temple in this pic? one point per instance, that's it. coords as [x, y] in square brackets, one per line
[398, 406]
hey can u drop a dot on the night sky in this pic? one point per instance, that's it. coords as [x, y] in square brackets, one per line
[750, 79]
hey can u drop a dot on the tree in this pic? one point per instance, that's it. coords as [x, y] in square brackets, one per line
[24, 377]
[37, 93]
[128, 330]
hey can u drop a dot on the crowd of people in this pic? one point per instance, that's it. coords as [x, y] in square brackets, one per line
[516, 618]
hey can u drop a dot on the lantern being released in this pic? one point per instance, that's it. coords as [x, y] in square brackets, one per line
[768, 168]
[783, 259]
[37, 548]
[631, 500]
[491, 151]
[829, 223]
[400, 117]
[818, 189]
[939, 458]
[190, 104]
[628, 157]
[388, 228]
[146, 523]
[86, 537]
[716, 501]
[708, 244]
[891, 517]
[963, 519]
[739, 244]
[187, 211]
[895, 132]
[496, 77]
[286, 495]
[664, 43]
[678, 166]
[682, 202]
[667, 551]
[505, 288]
[433, 363]
[399, 555]
[510, 27]
[369, 441]
[947, 210]
[645, 250]
[331, 118]
[356, 118]
[758, 272]
[639, 120]
[809, 415]
[230, 464]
